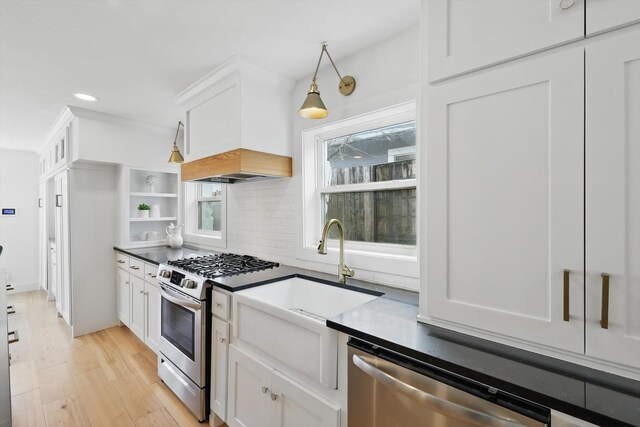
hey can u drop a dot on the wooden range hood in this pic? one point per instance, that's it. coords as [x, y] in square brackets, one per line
[239, 165]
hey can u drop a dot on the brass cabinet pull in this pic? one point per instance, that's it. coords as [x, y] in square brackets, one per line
[604, 314]
[133, 267]
[16, 338]
[264, 389]
[120, 261]
[565, 304]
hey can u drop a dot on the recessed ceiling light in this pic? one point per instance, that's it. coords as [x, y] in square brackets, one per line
[85, 97]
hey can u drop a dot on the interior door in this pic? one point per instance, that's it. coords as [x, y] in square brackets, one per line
[613, 198]
[504, 201]
[464, 35]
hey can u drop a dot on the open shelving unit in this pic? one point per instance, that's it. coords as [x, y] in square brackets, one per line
[136, 191]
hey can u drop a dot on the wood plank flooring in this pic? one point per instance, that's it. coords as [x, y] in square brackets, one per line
[107, 378]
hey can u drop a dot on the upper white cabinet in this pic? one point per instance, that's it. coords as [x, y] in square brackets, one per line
[504, 210]
[465, 35]
[237, 105]
[613, 198]
[603, 15]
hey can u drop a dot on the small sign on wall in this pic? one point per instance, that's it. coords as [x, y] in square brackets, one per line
[8, 211]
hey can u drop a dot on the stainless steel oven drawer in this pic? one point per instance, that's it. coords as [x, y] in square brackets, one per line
[187, 391]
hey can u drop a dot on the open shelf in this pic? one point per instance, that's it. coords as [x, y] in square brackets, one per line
[138, 194]
[162, 218]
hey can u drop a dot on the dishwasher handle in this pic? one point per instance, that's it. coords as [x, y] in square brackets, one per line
[440, 405]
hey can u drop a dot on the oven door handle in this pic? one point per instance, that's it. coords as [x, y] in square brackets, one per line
[180, 301]
[442, 406]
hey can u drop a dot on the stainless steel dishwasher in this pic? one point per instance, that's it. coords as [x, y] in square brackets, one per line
[387, 389]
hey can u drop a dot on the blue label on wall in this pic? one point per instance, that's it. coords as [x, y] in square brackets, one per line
[8, 211]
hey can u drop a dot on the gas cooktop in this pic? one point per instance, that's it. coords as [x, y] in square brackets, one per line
[223, 264]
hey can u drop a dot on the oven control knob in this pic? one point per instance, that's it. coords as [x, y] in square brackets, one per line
[188, 283]
[165, 273]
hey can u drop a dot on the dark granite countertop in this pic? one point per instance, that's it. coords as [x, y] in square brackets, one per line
[161, 254]
[390, 322]
[594, 396]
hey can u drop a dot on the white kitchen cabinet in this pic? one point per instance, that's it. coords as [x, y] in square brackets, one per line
[124, 296]
[262, 396]
[504, 209]
[465, 35]
[297, 406]
[152, 329]
[613, 197]
[219, 364]
[63, 291]
[137, 306]
[249, 391]
[139, 300]
[604, 15]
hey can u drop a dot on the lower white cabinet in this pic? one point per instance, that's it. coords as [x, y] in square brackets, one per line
[262, 396]
[138, 300]
[124, 295]
[219, 358]
[144, 311]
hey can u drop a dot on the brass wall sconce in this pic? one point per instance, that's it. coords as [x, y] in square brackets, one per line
[313, 107]
[176, 157]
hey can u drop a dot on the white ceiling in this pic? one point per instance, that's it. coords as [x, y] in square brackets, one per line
[135, 56]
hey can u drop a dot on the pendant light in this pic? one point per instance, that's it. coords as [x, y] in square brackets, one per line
[176, 157]
[313, 107]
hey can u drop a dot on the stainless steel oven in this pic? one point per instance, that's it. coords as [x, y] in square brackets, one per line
[388, 389]
[182, 348]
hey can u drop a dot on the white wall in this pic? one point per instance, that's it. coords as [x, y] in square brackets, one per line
[263, 217]
[19, 234]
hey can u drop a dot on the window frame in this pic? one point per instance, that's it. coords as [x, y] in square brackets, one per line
[391, 258]
[192, 196]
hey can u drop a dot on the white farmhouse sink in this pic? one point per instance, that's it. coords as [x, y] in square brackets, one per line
[286, 320]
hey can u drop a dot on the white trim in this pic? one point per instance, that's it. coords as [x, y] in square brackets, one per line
[192, 234]
[376, 257]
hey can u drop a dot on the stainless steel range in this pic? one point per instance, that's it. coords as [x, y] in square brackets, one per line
[184, 348]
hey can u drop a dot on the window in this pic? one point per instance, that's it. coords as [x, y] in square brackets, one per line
[210, 207]
[205, 213]
[362, 171]
[369, 184]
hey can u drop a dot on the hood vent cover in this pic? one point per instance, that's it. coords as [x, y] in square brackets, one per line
[239, 165]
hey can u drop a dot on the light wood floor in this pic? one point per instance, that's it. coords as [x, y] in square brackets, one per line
[107, 378]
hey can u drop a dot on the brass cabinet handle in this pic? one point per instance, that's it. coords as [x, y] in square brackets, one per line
[218, 305]
[274, 397]
[565, 304]
[16, 338]
[120, 261]
[133, 267]
[604, 314]
[264, 389]
[153, 276]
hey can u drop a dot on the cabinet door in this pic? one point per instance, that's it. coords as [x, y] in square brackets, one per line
[152, 295]
[504, 201]
[124, 296]
[464, 35]
[603, 15]
[613, 197]
[249, 391]
[137, 306]
[298, 406]
[219, 353]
